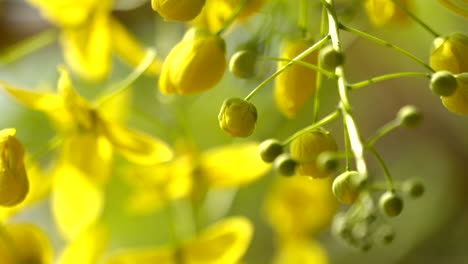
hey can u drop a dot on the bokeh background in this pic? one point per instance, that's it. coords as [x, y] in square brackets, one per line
[432, 229]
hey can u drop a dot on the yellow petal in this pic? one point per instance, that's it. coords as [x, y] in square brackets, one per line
[222, 243]
[87, 49]
[14, 184]
[232, 166]
[300, 206]
[458, 101]
[296, 84]
[383, 12]
[65, 13]
[87, 247]
[301, 252]
[178, 10]
[29, 243]
[136, 147]
[129, 49]
[164, 255]
[34, 101]
[76, 201]
[449, 53]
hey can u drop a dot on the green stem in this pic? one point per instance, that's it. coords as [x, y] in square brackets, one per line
[172, 222]
[382, 132]
[347, 146]
[388, 177]
[303, 15]
[319, 80]
[387, 77]
[415, 18]
[348, 119]
[312, 127]
[387, 44]
[308, 65]
[126, 83]
[289, 64]
[28, 46]
[233, 17]
[51, 144]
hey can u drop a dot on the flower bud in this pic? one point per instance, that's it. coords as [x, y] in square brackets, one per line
[237, 117]
[449, 53]
[194, 65]
[330, 58]
[285, 165]
[14, 185]
[443, 83]
[347, 186]
[385, 12]
[270, 149]
[307, 147]
[409, 116]
[178, 10]
[458, 102]
[243, 64]
[295, 85]
[386, 234]
[413, 188]
[391, 204]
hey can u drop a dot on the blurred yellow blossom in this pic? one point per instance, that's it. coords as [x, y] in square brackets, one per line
[194, 65]
[301, 252]
[299, 206]
[385, 12]
[178, 10]
[296, 84]
[24, 243]
[222, 243]
[14, 184]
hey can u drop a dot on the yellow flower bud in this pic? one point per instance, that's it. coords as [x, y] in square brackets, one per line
[384, 12]
[346, 187]
[194, 65]
[178, 10]
[14, 185]
[296, 84]
[237, 117]
[449, 53]
[307, 147]
[391, 204]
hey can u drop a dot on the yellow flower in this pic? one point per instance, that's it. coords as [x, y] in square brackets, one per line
[295, 85]
[298, 207]
[89, 35]
[87, 151]
[223, 243]
[307, 147]
[194, 65]
[216, 12]
[301, 252]
[222, 167]
[449, 53]
[24, 243]
[14, 184]
[178, 10]
[385, 12]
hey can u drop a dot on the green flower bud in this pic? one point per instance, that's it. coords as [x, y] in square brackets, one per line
[409, 116]
[285, 165]
[328, 161]
[307, 147]
[237, 117]
[391, 204]
[330, 58]
[443, 83]
[340, 227]
[243, 64]
[386, 234]
[347, 187]
[413, 188]
[270, 149]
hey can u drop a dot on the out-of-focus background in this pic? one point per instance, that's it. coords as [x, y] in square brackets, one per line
[432, 229]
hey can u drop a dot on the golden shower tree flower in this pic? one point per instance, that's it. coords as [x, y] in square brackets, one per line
[298, 207]
[178, 10]
[216, 13]
[14, 184]
[194, 65]
[385, 12]
[89, 35]
[301, 252]
[223, 243]
[24, 243]
[89, 141]
[296, 84]
[450, 53]
[227, 166]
